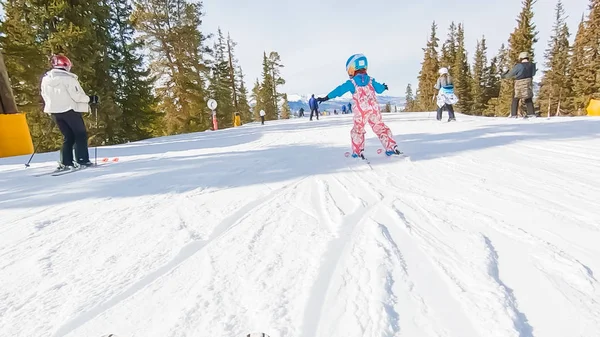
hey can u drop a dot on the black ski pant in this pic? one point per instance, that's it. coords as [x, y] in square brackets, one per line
[72, 127]
[450, 109]
[262, 120]
[314, 111]
[515, 106]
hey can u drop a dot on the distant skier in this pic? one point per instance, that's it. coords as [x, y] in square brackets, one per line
[237, 119]
[314, 107]
[349, 108]
[343, 109]
[65, 101]
[523, 73]
[364, 89]
[445, 97]
[262, 117]
[301, 112]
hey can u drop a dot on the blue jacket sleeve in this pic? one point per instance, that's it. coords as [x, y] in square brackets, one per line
[379, 88]
[342, 89]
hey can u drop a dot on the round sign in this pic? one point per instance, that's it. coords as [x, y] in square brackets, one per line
[212, 104]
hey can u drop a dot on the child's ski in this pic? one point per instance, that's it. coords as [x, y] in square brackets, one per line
[57, 172]
[47, 173]
[347, 154]
[401, 155]
[73, 170]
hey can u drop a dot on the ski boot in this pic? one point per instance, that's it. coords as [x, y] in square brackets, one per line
[393, 151]
[359, 155]
[62, 167]
[85, 164]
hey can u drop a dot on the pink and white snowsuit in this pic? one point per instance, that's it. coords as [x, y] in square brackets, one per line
[366, 109]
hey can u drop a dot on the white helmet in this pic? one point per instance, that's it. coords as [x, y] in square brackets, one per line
[443, 71]
[524, 55]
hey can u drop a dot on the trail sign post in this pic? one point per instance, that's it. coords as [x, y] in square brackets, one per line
[212, 105]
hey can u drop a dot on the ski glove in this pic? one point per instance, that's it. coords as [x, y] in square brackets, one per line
[93, 99]
[385, 86]
[322, 99]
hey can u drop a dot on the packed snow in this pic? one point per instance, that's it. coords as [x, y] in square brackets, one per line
[490, 228]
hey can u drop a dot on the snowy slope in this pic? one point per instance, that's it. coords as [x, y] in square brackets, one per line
[490, 229]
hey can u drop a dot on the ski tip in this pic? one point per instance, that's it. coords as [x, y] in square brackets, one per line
[257, 334]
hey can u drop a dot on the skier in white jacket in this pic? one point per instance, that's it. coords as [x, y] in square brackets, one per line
[262, 117]
[65, 101]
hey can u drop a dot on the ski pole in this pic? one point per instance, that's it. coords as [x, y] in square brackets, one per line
[96, 146]
[36, 145]
[33, 154]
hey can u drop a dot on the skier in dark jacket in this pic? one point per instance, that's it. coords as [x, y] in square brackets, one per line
[314, 107]
[523, 73]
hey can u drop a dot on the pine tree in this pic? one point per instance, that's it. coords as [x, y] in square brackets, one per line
[580, 80]
[232, 72]
[243, 105]
[271, 79]
[449, 48]
[286, 112]
[524, 36]
[591, 61]
[492, 78]
[428, 74]
[499, 104]
[220, 87]
[171, 31]
[26, 60]
[274, 63]
[556, 83]
[593, 38]
[267, 90]
[462, 74]
[132, 81]
[32, 32]
[257, 98]
[410, 100]
[480, 78]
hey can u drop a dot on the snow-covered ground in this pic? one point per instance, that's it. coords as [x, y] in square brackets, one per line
[492, 228]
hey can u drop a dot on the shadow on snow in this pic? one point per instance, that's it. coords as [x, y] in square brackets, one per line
[152, 176]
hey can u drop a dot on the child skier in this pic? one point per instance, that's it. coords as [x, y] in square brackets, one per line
[366, 106]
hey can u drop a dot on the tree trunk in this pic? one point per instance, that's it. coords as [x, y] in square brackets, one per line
[232, 76]
[7, 100]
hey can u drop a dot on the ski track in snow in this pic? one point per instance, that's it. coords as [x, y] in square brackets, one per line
[490, 228]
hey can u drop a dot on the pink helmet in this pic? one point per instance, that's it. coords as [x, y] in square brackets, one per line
[61, 61]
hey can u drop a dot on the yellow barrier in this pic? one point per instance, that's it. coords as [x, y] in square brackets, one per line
[593, 108]
[15, 139]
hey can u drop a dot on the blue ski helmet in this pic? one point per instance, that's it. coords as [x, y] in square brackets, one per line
[356, 62]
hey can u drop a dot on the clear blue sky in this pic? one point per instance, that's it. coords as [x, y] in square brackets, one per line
[315, 37]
